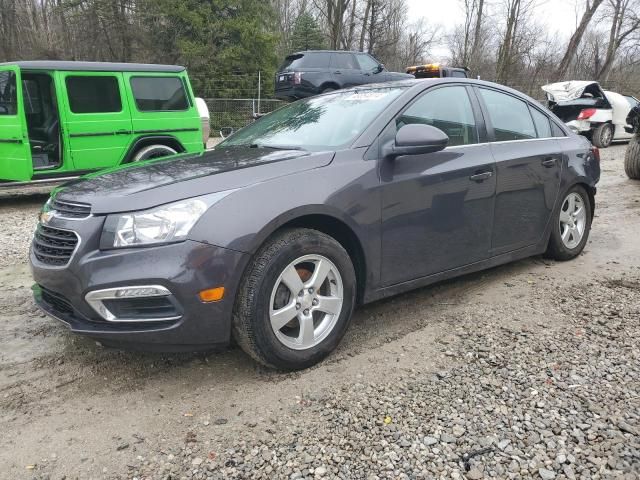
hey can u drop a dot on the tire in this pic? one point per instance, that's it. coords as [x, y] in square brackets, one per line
[632, 159]
[572, 244]
[153, 151]
[603, 135]
[263, 297]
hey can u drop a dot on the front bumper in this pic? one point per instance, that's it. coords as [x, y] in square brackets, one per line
[184, 269]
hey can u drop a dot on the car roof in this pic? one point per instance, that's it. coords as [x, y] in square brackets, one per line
[422, 83]
[302, 52]
[93, 66]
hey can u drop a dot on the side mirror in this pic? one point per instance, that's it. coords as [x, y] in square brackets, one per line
[416, 139]
[380, 68]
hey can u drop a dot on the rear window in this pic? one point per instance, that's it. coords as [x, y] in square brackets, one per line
[8, 97]
[93, 94]
[306, 60]
[159, 94]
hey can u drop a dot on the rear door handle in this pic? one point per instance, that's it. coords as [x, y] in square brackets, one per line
[123, 132]
[549, 162]
[480, 177]
[337, 73]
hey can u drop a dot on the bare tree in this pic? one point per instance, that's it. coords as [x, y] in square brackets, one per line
[591, 6]
[625, 23]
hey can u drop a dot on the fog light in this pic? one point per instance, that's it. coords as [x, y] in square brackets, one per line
[141, 292]
[212, 294]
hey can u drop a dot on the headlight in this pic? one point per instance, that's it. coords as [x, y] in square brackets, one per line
[163, 224]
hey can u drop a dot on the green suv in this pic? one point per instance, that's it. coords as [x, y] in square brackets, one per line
[59, 120]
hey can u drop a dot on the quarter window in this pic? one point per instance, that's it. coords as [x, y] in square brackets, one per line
[448, 109]
[509, 116]
[93, 94]
[158, 94]
[543, 127]
[8, 95]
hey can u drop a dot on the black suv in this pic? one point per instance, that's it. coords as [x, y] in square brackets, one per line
[304, 74]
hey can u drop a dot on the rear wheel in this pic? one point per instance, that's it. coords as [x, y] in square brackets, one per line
[632, 159]
[295, 301]
[571, 225]
[603, 135]
[153, 151]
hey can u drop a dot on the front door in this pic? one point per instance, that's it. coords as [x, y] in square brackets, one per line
[437, 208]
[97, 119]
[15, 154]
[528, 162]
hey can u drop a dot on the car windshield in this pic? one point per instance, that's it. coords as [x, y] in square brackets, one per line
[318, 123]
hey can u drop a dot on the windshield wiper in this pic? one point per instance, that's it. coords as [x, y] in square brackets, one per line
[275, 147]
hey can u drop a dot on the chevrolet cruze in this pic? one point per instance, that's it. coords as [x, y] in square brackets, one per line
[276, 235]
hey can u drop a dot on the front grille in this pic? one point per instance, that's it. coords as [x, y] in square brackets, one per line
[70, 210]
[53, 246]
[56, 301]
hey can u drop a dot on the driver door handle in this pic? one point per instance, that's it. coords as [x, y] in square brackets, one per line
[479, 177]
[549, 162]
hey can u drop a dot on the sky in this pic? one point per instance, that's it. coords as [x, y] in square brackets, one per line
[559, 15]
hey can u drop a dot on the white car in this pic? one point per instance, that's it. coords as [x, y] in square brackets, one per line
[591, 111]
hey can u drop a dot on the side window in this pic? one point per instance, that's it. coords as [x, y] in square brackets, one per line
[8, 94]
[509, 116]
[159, 94]
[346, 61]
[367, 63]
[557, 131]
[543, 125]
[446, 108]
[93, 94]
[459, 74]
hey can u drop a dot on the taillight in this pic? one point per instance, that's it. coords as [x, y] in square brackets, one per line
[297, 78]
[596, 153]
[587, 113]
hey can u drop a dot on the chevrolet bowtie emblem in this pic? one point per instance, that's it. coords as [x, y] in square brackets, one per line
[46, 216]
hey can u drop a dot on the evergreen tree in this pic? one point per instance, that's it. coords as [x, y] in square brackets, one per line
[306, 34]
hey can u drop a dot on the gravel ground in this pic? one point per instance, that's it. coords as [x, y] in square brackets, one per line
[530, 370]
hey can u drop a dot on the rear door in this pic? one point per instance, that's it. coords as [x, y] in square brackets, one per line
[528, 163]
[346, 69]
[162, 105]
[15, 153]
[96, 118]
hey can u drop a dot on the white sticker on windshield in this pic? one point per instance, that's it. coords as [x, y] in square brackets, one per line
[366, 96]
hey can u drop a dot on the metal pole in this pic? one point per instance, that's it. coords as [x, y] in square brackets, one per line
[259, 88]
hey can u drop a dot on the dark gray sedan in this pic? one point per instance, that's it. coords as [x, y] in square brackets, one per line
[330, 202]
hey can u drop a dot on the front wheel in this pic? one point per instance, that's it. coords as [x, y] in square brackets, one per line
[571, 225]
[296, 300]
[603, 135]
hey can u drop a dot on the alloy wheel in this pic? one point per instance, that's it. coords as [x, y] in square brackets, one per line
[306, 302]
[573, 220]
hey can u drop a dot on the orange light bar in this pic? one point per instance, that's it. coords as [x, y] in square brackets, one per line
[212, 294]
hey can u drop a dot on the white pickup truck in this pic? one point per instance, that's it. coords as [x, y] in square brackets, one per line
[589, 110]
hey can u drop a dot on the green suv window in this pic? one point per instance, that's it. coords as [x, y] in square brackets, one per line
[156, 94]
[93, 94]
[8, 96]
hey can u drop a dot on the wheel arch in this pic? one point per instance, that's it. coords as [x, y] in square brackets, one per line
[330, 224]
[329, 84]
[146, 140]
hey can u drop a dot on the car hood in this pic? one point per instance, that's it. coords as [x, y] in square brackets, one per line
[144, 185]
[567, 91]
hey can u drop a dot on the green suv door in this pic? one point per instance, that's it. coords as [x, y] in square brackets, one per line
[15, 154]
[96, 116]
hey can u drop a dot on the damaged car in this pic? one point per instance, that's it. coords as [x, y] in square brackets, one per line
[589, 110]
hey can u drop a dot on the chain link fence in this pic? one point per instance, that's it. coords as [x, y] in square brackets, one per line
[231, 114]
